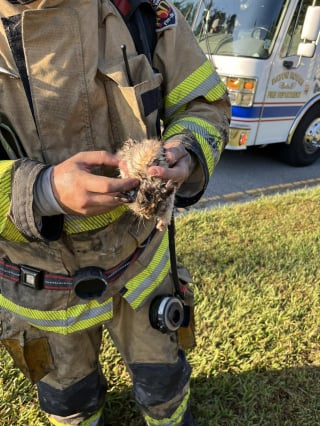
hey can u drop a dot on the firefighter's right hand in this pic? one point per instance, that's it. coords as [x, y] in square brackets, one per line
[79, 191]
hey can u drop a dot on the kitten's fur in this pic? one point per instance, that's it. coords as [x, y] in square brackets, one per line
[154, 197]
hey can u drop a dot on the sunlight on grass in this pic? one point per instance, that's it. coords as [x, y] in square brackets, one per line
[256, 282]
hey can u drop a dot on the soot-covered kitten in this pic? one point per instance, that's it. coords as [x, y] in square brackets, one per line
[154, 198]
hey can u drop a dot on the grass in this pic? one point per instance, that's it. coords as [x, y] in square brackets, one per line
[256, 280]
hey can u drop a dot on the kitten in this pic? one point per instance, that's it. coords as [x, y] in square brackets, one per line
[155, 196]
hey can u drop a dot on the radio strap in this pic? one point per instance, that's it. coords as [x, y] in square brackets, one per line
[173, 257]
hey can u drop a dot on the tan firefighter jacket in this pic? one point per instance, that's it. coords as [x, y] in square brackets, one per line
[64, 89]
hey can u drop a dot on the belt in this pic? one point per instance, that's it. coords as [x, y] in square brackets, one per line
[39, 279]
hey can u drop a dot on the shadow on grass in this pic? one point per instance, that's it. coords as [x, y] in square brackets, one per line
[289, 397]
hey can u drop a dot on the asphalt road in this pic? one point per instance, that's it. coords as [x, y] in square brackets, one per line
[243, 175]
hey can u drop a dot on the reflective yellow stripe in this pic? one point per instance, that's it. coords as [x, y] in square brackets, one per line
[76, 224]
[7, 229]
[142, 285]
[72, 225]
[204, 82]
[55, 422]
[202, 131]
[176, 417]
[85, 315]
[216, 92]
[91, 421]
[74, 318]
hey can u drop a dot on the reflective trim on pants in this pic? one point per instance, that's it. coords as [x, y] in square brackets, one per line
[175, 419]
[91, 421]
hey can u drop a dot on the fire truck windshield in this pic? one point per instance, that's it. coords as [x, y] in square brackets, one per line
[234, 27]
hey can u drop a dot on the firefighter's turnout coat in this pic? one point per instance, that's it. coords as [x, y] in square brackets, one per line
[64, 89]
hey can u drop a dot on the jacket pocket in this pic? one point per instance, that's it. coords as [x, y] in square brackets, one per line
[134, 98]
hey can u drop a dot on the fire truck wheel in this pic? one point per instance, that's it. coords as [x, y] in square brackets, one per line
[305, 145]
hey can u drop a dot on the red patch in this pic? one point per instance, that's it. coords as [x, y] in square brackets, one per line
[123, 5]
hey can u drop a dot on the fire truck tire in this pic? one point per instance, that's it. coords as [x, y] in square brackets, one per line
[301, 152]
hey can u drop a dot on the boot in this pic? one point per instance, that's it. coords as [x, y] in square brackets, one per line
[188, 419]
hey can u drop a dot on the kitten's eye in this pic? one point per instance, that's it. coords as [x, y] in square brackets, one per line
[148, 196]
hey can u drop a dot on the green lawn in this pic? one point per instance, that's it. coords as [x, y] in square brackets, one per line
[256, 280]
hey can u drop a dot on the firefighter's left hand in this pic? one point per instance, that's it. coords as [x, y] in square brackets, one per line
[180, 163]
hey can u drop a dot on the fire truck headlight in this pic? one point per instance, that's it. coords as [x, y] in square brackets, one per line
[241, 90]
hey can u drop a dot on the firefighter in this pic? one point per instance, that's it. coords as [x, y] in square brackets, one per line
[77, 78]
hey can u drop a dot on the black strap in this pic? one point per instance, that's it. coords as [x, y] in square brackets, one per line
[173, 257]
[12, 26]
[140, 19]
[10, 145]
[146, 41]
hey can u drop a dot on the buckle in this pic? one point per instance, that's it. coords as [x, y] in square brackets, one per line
[31, 277]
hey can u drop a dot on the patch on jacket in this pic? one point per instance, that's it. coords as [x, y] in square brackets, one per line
[166, 16]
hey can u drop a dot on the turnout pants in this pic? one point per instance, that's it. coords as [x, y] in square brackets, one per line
[69, 379]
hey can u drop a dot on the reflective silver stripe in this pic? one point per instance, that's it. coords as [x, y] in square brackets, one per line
[201, 90]
[175, 419]
[74, 318]
[92, 421]
[85, 315]
[205, 133]
[143, 284]
[76, 224]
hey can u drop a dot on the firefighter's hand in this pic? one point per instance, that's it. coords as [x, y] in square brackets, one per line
[180, 162]
[79, 191]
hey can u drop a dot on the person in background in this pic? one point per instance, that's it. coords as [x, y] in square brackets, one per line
[77, 79]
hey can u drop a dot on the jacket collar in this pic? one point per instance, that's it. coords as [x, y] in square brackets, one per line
[127, 7]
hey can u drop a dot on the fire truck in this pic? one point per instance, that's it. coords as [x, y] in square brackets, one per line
[267, 53]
